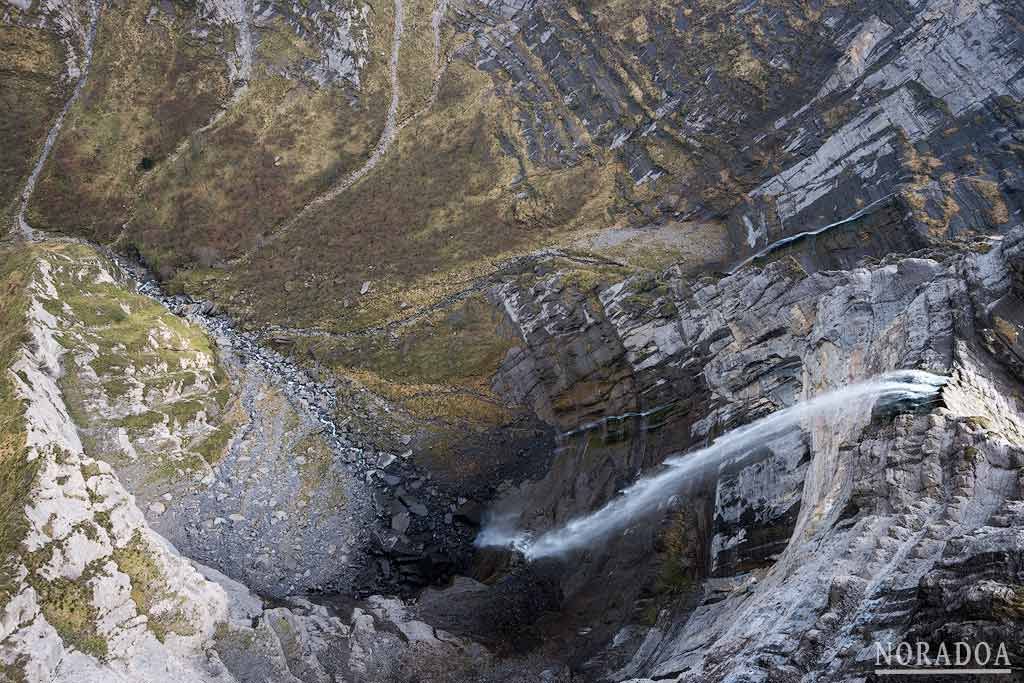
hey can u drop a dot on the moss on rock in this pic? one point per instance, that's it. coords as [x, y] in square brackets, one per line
[135, 371]
[68, 606]
[166, 611]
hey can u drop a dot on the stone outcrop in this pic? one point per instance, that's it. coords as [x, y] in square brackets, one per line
[834, 538]
[226, 468]
[420, 268]
[97, 591]
[94, 581]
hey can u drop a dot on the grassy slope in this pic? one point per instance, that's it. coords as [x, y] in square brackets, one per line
[31, 64]
[286, 141]
[16, 475]
[445, 203]
[151, 83]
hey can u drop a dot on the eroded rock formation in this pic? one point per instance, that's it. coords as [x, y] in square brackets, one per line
[299, 297]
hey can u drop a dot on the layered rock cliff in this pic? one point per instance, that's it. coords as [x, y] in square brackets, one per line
[299, 298]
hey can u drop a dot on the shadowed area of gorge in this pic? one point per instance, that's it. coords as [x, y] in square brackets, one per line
[388, 340]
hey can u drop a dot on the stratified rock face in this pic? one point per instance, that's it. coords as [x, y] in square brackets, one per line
[800, 118]
[693, 358]
[827, 540]
[894, 512]
[952, 65]
[756, 507]
[531, 248]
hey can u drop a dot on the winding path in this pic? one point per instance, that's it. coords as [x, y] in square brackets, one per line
[387, 136]
[436, 19]
[392, 126]
[21, 226]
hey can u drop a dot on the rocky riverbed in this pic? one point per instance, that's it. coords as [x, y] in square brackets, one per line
[534, 268]
[402, 532]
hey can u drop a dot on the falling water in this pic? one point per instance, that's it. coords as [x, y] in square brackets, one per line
[646, 494]
[778, 244]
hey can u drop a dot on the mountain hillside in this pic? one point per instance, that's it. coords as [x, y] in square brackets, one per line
[509, 340]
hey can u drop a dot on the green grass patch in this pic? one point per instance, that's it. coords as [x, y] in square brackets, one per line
[677, 573]
[142, 421]
[213, 446]
[17, 475]
[150, 590]
[68, 607]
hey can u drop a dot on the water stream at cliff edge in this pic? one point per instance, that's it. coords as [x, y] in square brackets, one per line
[647, 493]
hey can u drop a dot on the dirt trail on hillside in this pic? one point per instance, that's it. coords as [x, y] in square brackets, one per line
[387, 137]
[21, 226]
[392, 125]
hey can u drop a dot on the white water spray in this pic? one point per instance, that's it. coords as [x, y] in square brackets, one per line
[646, 494]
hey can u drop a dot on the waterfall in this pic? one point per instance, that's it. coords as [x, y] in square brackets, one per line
[778, 244]
[646, 494]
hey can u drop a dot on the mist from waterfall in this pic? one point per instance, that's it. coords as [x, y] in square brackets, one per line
[646, 494]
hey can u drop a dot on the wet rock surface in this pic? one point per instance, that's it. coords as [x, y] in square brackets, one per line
[877, 493]
[732, 539]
